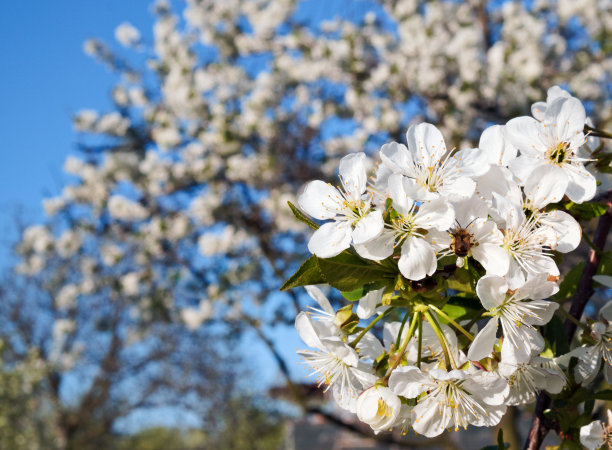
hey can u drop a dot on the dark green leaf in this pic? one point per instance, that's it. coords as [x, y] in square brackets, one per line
[308, 273]
[301, 217]
[556, 336]
[500, 440]
[605, 264]
[603, 395]
[501, 445]
[348, 272]
[603, 161]
[462, 281]
[570, 282]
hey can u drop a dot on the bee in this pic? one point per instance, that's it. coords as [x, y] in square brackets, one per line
[462, 241]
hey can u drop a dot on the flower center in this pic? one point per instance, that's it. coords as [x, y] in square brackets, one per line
[559, 153]
[383, 410]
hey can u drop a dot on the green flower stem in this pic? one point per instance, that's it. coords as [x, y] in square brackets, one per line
[573, 319]
[450, 362]
[453, 323]
[400, 353]
[399, 335]
[369, 327]
[420, 344]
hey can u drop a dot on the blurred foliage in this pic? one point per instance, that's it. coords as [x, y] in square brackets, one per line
[24, 414]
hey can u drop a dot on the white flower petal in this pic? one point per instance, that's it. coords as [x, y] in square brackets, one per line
[318, 296]
[498, 150]
[538, 110]
[307, 331]
[353, 175]
[339, 348]
[546, 184]
[483, 343]
[418, 259]
[606, 310]
[537, 288]
[368, 227]
[515, 276]
[409, 381]
[367, 304]
[369, 347]
[472, 161]
[593, 435]
[381, 247]
[567, 231]
[582, 185]
[497, 180]
[468, 210]
[543, 311]
[509, 211]
[320, 200]
[397, 158]
[491, 291]
[330, 239]
[525, 133]
[490, 387]
[522, 166]
[427, 418]
[459, 188]
[567, 117]
[554, 382]
[493, 258]
[589, 362]
[399, 187]
[426, 144]
[438, 214]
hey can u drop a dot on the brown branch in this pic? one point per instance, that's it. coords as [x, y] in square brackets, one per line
[483, 18]
[540, 425]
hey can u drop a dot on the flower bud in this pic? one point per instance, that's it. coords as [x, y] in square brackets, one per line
[346, 319]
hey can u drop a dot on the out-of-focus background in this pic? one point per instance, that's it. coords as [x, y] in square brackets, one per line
[148, 153]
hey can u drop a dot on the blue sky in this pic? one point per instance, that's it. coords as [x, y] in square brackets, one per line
[46, 78]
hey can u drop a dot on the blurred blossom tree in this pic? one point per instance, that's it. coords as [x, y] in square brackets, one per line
[176, 216]
[24, 416]
[71, 370]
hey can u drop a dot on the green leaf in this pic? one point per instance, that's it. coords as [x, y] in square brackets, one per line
[585, 395]
[556, 336]
[359, 293]
[459, 312]
[500, 440]
[308, 273]
[353, 296]
[603, 395]
[605, 264]
[301, 217]
[587, 211]
[603, 161]
[501, 445]
[348, 272]
[568, 286]
[462, 281]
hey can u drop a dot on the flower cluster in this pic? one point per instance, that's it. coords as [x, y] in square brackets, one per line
[439, 228]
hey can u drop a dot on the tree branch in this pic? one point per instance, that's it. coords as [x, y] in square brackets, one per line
[540, 425]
